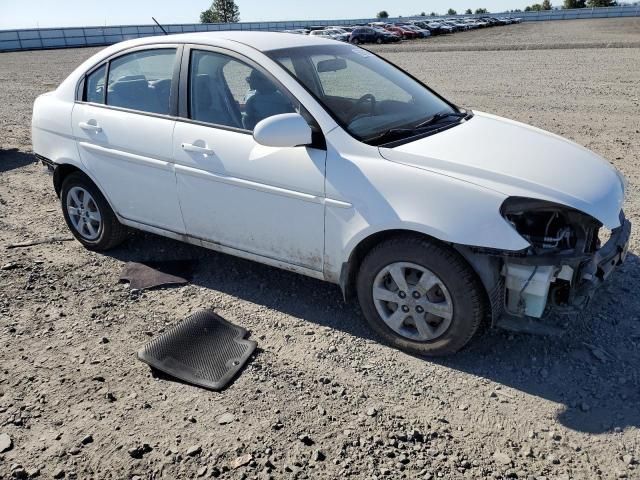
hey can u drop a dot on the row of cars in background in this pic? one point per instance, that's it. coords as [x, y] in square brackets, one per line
[384, 32]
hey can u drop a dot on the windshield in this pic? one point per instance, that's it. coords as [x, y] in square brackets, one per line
[365, 94]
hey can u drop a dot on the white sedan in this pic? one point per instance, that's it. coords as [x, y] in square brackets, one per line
[324, 159]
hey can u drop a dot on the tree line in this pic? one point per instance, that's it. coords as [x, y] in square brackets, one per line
[568, 4]
[226, 11]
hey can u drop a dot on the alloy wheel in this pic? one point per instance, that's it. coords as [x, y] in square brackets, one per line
[84, 213]
[412, 301]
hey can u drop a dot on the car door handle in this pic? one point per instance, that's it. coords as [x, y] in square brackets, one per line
[90, 126]
[189, 147]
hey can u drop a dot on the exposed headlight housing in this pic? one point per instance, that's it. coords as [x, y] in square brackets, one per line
[550, 227]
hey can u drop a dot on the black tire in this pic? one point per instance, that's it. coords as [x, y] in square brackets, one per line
[466, 291]
[379, 40]
[111, 232]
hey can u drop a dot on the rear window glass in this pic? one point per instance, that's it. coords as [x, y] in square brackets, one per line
[142, 81]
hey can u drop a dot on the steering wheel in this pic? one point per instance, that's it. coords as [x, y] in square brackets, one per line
[367, 97]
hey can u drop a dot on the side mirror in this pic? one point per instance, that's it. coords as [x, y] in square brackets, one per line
[285, 130]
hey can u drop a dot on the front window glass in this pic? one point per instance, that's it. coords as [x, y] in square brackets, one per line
[226, 91]
[142, 81]
[367, 95]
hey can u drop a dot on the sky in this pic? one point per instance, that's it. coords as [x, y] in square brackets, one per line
[68, 13]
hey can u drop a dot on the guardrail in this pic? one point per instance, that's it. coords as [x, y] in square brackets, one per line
[45, 38]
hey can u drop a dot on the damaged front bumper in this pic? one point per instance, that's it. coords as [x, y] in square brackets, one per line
[533, 284]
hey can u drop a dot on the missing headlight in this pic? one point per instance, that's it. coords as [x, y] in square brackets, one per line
[550, 227]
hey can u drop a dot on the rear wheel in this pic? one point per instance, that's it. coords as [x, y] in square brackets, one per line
[88, 214]
[421, 297]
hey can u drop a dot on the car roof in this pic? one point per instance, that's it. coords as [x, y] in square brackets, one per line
[262, 41]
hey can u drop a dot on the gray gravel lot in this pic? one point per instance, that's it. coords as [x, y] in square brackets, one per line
[322, 398]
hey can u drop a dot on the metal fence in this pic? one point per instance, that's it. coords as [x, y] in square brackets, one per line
[44, 38]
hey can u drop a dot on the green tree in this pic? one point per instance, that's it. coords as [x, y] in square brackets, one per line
[481, 10]
[433, 14]
[536, 7]
[221, 11]
[383, 14]
[423, 14]
[546, 5]
[468, 11]
[601, 3]
[451, 11]
[574, 4]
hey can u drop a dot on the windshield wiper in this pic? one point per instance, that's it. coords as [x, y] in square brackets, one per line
[389, 135]
[437, 118]
[394, 133]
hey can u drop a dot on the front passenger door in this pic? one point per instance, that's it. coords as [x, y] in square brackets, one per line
[234, 192]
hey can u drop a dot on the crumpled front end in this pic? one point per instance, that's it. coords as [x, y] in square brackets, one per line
[569, 258]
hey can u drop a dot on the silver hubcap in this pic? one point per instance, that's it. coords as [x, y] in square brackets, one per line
[412, 301]
[83, 213]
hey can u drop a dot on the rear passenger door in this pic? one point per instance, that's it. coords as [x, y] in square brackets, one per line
[123, 122]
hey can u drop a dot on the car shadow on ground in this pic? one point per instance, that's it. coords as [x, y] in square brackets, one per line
[591, 372]
[12, 158]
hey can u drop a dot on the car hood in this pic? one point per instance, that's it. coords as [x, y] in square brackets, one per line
[519, 160]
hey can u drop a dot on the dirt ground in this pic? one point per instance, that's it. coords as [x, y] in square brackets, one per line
[322, 398]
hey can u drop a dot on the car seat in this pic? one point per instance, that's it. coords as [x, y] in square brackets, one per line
[265, 102]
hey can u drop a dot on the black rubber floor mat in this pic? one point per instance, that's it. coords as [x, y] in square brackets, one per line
[204, 349]
[146, 275]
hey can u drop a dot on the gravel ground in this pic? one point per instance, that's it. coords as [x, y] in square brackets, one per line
[322, 398]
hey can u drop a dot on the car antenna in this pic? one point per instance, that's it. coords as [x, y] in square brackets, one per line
[161, 27]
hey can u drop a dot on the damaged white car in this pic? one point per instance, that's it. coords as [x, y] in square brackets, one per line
[324, 159]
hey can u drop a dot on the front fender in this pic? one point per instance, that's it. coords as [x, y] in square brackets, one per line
[378, 195]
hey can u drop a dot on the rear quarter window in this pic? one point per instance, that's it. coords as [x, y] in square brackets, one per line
[94, 87]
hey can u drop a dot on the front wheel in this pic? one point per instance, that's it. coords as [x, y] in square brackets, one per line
[88, 214]
[419, 296]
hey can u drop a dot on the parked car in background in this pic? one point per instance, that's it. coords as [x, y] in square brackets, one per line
[372, 34]
[491, 22]
[339, 34]
[475, 23]
[433, 29]
[384, 36]
[320, 33]
[405, 33]
[298, 31]
[442, 27]
[422, 32]
[341, 31]
[333, 34]
[454, 25]
[462, 25]
[320, 158]
[364, 35]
